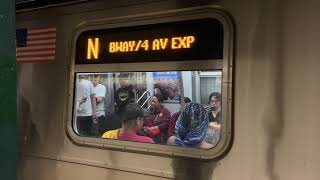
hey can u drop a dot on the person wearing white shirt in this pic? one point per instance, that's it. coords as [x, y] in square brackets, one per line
[100, 93]
[86, 105]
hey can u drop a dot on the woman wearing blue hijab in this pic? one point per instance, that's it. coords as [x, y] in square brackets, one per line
[191, 127]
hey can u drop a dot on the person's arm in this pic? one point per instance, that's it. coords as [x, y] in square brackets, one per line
[93, 104]
[147, 121]
[214, 125]
[93, 99]
[116, 98]
[82, 100]
[165, 120]
[99, 99]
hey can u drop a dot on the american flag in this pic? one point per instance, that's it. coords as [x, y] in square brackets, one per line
[35, 45]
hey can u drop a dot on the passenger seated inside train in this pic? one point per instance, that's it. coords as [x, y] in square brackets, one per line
[214, 113]
[112, 92]
[112, 134]
[214, 107]
[132, 123]
[191, 127]
[156, 124]
[175, 116]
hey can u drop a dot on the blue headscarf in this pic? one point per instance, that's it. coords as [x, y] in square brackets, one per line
[192, 125]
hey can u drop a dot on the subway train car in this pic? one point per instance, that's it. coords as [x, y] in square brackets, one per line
[152, 89]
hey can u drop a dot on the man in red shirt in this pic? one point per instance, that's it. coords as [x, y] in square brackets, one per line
[156, 124]
[132, 123]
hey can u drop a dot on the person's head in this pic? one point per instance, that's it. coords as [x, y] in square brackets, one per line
[185, 101]
[123, 79]
[156, 101]
[192, 125]
[95, 80]
[215, 100]
[133, 117]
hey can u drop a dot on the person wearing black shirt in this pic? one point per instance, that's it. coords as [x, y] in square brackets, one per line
[124, 95]
[215, 118]
[214, 108]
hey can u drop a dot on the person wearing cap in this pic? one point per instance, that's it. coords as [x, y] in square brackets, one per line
[132, 123]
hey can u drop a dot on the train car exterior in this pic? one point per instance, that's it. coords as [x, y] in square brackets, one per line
[275, 90]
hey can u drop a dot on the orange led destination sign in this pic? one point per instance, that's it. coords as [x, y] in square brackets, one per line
[152, 45]
[184, 42]
[174, 41]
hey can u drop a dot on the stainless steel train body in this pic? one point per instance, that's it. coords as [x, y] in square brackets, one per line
[274, 96]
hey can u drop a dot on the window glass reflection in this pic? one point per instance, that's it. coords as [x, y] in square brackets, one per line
[180, 108]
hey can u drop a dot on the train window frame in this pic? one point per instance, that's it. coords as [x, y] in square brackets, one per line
[225, 65]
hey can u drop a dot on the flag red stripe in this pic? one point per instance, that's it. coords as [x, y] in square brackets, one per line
[40, 38]
[41, 33]
[31, 61]
[42, 44]
[35, 50]
[35, 55]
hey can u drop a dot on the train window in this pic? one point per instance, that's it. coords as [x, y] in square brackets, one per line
[153, 107]
[159, 84]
